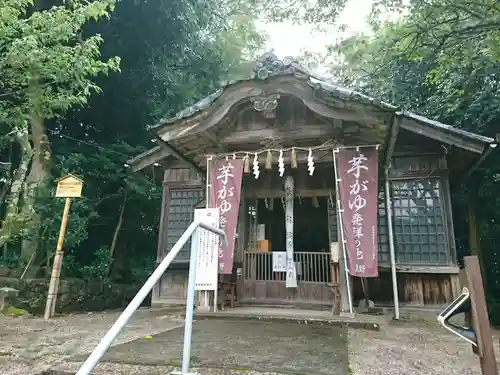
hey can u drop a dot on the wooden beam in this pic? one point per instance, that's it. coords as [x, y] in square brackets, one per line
[480, 320]
[148, 158]
[312, 131]
[450, 270]
[391, 140]
[274, 193]
[442, 136]
[213, 138]
[483, 157]
[189, 162]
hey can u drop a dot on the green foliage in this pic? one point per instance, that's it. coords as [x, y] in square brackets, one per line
[301, 11]
[99, 268]
[14, 311]
[74, 295]
[157, 58]
[11, 260]
[141, 269]
[441, 59]
[47, 67]
[45, 63]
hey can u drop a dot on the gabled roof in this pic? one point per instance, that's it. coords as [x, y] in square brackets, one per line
[269, 65]
[269, 68]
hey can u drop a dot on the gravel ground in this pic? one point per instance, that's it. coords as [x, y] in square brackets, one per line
[412, 348]
[29, 346]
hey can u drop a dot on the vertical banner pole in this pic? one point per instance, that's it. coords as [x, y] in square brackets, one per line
[388, 213]
[339, 211]
[207, 205]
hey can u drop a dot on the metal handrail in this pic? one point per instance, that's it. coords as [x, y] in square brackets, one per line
[122, 320]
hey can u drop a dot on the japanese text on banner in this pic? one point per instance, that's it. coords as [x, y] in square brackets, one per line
[358, 172]
[226, 176]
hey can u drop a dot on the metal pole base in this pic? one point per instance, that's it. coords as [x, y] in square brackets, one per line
[181, 373]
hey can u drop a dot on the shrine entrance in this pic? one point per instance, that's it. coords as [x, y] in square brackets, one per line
[263, 235]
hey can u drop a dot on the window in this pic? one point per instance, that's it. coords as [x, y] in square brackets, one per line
[180, 216]
[418, 220]
[418, 223]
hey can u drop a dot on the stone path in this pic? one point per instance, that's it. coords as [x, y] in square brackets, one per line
[31, 346]
[245, 345]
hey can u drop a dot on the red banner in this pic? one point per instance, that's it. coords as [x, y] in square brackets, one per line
[225, 193]
[358, 174]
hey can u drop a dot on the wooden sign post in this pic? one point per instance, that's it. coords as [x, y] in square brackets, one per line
[67, 187]
[479, 316]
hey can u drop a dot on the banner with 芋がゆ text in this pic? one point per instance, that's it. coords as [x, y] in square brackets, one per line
[225, 194]
[358, 185]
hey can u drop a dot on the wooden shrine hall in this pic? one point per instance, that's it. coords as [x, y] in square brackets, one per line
[286, 125]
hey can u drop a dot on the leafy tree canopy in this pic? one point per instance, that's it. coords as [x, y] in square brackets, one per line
[441, 59]
[80, 81]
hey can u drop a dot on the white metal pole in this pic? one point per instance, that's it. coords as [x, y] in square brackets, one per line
[122, 320]
[388, 213]
[188, 326]
[344, 245]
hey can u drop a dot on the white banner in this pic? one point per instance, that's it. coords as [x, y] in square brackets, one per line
[291, 273]
[208, 250]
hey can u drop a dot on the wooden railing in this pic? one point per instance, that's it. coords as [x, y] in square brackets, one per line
[311, 267]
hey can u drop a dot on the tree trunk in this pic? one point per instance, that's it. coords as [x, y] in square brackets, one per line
[116, 233]
[13, 222]
[36, 181]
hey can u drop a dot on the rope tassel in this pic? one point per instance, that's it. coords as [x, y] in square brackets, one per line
[256, 171]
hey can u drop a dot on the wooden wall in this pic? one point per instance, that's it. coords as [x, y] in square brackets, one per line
[275, 292]
[182, 190]
[414, 289]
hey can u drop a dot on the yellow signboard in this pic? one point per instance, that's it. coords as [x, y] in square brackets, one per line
[69, 187]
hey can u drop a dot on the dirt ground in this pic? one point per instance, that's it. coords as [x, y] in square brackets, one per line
[412, 348]
[29, 346]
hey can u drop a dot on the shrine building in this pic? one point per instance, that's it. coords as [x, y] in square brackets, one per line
[339, 192]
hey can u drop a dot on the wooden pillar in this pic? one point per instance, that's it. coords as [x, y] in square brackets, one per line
[456, 287]
[480, 321]
[413, 289]
[162, 234]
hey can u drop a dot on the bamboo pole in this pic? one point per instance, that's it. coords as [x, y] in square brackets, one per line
[56, 266]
